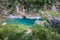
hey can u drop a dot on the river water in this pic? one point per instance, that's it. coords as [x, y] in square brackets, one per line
[28, 22]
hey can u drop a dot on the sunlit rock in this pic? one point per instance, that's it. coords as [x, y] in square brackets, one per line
[29, 31]
[39, 22]
[57, 18]
[11, 16]
[54, 8]
[30, 16]
[4, 23]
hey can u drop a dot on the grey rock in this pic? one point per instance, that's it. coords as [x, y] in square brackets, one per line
[55, 24]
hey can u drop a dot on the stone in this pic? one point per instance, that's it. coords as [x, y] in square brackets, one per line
[29, 30]
[39, 22]
[55, 23]
[3, 23]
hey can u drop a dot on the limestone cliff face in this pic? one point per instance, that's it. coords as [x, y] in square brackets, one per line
[20, 9]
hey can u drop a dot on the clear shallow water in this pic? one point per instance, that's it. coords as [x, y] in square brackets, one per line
[28, 22]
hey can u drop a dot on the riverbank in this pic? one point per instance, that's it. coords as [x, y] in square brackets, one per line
[28, 16]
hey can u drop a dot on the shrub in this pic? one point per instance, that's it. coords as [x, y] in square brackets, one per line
[17, 32]
[12, 30]
[42, 33]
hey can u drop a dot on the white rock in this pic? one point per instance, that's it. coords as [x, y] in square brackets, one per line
[33, 17]
[57, 18]
[11, 16]
[4, 23]
[39, 22]
[54, 8]
[29, 31]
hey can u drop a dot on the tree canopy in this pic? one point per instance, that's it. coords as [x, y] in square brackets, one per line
[27, 3]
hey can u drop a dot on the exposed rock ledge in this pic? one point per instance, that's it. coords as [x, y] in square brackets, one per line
[30, 16]
[26, 16]
[34, 17]
[14, 16]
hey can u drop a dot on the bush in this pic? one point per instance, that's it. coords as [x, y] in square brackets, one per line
[12, 30]
[42, 33]
[17, 32]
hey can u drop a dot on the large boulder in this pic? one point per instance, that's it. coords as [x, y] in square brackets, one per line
[40, 22]
[55, 23]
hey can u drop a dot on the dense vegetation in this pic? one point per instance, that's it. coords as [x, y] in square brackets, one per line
[18, 32]
[11, 4]
[12, 31]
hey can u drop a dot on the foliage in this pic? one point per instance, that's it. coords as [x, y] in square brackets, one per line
[17, 32]
[2, 20]
[12, 30]
[42, 33]
[10, 4]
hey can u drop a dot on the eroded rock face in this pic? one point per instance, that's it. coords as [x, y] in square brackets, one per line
[55, 23]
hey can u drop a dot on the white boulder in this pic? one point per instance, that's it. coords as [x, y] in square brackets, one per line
[3, 23]
[39, 22]
[29, 31]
